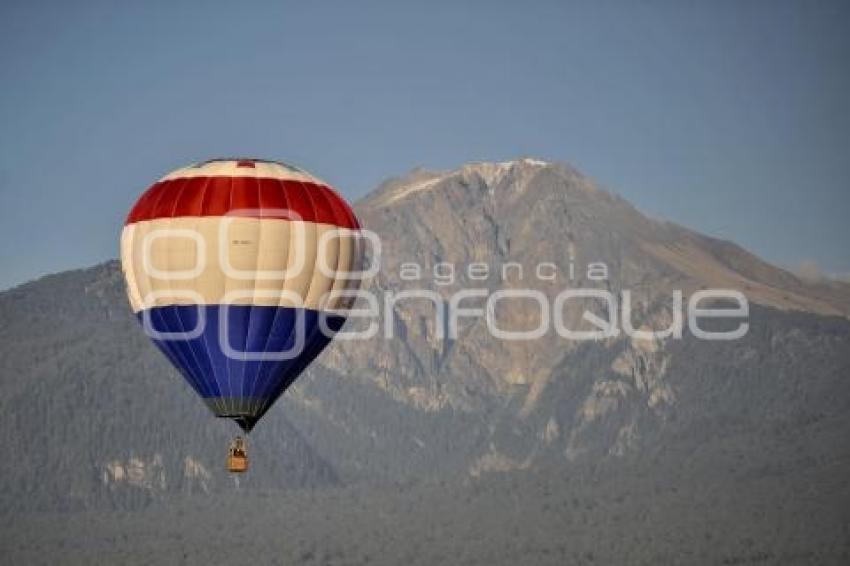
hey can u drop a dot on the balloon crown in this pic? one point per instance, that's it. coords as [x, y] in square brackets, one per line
[247, 162]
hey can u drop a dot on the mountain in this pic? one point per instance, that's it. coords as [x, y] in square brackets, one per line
[518, 402]
[533, 213]
[94, 415]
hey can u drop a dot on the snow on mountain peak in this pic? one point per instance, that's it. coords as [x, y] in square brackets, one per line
[408, 189]
[492, 172]
[489, 171]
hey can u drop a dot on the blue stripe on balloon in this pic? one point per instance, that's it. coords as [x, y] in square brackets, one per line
[212, 374]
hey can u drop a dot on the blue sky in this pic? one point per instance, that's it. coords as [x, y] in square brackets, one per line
[732, 118]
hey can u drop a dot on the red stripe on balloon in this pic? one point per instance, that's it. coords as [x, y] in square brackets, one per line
[255, 197]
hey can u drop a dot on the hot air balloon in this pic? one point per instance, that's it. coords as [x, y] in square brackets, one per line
[241, 271]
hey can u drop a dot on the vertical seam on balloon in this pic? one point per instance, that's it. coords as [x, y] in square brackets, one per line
[288, 378]
[197, 366]
[204, 191]
[283, 283]
[343, 218]
[288, 364]
[135, 211]
[182, 367]
[162, 192]
[172, 354]
[354, 224]
[311, 347]
[332, 196]
[282, 187]
[176, 308]
[293, 374]
[203, 352]
[180, 192]
[308, 340]
[336, 222]
[354, 246]
[216, 399]
[229, 399]
[253, 290]
[180, 364]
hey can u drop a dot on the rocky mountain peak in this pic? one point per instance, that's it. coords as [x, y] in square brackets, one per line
[496, 178]
[493, 173]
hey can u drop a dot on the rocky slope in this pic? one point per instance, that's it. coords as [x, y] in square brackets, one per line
[533, 213]
[552, 395]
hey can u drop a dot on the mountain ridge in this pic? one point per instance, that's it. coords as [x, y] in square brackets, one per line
[393, 190]
[108, 421]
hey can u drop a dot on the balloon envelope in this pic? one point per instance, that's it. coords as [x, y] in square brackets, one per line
[241, 271]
